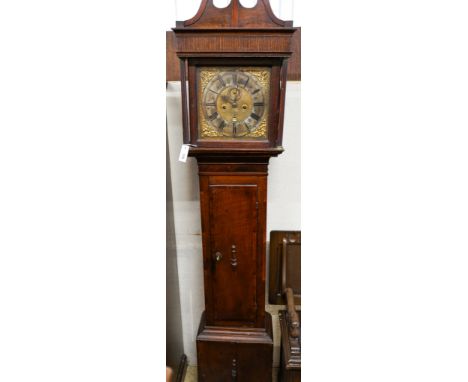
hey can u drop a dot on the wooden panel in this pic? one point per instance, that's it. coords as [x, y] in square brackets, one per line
[172, 61]
[230, 361]
[292, 267]
[215, 361]
[285, 248]
[294, 63]
[229, 42]
[254, 362]
[233, 227]
[218, 230]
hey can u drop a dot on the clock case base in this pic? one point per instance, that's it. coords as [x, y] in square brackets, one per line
[235, 353]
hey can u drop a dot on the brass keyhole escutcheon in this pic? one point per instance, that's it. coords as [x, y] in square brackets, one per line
[218, 256]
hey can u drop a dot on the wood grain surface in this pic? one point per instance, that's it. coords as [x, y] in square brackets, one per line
[173, 65]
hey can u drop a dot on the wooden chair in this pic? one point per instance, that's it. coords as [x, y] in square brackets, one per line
[285, 288]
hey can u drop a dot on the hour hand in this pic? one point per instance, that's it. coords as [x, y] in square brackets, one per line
[225, 98]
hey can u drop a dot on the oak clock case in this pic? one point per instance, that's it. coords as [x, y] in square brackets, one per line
[233, 66]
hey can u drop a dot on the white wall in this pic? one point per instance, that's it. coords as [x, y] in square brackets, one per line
[283, 211]
[186, 207]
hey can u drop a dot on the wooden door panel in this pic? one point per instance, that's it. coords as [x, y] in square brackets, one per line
[230, 361]
[233, 227]
[255, 362]
[215, 361]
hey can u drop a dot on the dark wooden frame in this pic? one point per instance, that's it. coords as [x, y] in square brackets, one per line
[278, 65]
[277, 248]
[276, 102]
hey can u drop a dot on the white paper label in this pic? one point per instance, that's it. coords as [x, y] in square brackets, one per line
[184, 153]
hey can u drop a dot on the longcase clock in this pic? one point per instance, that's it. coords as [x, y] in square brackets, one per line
[233, 63]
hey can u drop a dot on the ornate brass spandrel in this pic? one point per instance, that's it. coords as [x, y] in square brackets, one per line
[207, 130]
[206, 75]
[261, 131]
[263, 76]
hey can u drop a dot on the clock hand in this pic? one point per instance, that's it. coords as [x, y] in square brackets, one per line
[228, 100]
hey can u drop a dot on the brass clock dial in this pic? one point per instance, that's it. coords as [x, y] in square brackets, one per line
[234, 102]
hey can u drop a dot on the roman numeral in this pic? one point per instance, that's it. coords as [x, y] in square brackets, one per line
[210, 104]
[221, 80]
[222, 125]
[234, 128]
[255, 91]
[211, 90]
[247, 126]
[255, 116]
[234, 79]
[259, 104]
[245, 84]
[213, 116]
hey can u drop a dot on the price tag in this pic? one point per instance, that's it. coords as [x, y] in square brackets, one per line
[184, 153]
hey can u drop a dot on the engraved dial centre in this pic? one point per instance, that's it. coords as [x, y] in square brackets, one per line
[234, 104]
